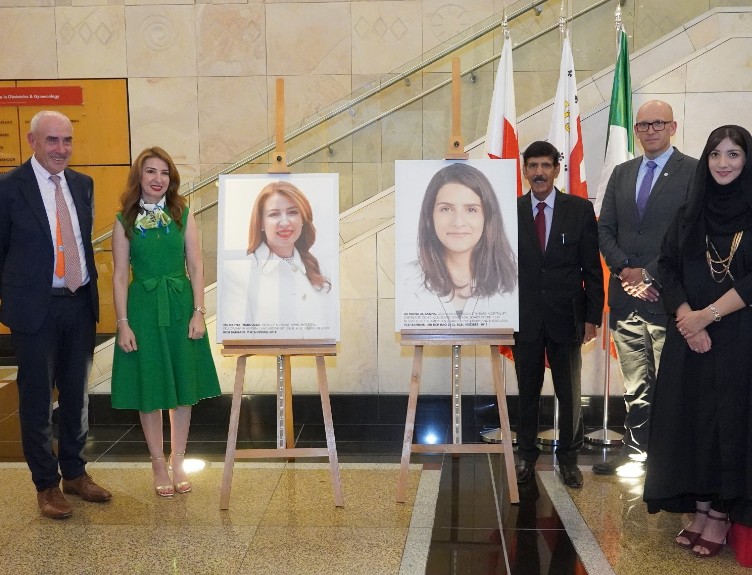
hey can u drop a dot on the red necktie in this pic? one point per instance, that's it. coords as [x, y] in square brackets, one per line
[540, 225]
[68, 251]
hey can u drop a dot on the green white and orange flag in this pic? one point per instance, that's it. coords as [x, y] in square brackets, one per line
[620, 139]
[619, 144]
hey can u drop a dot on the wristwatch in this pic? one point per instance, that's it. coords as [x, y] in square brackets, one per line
[201, 309]
[620, 268]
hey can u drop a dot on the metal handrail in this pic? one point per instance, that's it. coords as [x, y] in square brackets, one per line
[391, 81]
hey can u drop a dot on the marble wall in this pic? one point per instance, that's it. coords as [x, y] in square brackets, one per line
[202, 72]
[201, 83]
[370, 359]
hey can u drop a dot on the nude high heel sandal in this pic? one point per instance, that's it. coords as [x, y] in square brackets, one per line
[162, 490]
[180, 486]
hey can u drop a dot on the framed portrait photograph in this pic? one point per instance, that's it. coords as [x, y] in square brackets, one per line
[278, 258]
[456, 245]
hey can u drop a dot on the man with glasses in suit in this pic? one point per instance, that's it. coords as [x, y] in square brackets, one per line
[640, 202]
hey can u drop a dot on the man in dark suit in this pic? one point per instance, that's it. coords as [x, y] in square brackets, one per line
[561, 305]
[640, 202]
[49, 300]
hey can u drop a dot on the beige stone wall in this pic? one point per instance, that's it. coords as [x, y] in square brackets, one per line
[202, 72]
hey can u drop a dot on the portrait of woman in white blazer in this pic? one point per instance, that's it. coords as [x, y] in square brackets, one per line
[279, 286]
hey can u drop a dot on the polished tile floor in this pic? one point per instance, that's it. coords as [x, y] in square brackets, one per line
[470, 529]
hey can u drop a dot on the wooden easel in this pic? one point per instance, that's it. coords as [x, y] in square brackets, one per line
[285, 439]
[283, 350]
[457, 338]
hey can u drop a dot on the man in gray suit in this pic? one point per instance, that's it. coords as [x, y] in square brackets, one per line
[640, 202]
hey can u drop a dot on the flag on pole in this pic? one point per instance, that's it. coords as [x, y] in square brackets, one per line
[565, 132]
[501, 136]
[619, 144]
[620, 139]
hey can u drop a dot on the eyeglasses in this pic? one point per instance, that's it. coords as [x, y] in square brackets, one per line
[658, 126]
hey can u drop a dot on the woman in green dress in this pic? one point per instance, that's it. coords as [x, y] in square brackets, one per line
[162, 359]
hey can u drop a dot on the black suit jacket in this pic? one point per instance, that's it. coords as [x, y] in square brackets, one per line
[27, 249]
[561, 289]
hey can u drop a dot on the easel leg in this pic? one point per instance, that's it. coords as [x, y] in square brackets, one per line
[506, 434]
[456, 395]
[232, 434]
[407, 442]
[289, 429]
[329, 429]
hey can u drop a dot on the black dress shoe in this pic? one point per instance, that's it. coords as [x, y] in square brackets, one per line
[620, 465]
[571, 475]
[525, 471]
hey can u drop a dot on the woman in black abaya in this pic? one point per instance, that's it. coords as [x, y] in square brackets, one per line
[700, 455]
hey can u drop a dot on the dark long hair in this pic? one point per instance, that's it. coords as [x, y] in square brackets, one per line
[307, 236]
[492, 264]
[174, 202]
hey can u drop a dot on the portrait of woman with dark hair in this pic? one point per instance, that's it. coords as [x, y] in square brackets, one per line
[280, 282]
[465, 274]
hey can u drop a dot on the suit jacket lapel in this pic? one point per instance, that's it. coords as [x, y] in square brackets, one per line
[33, 196]
[630, 191]
[78, 199]
[669, 169]
[561, 205]
[527, 224]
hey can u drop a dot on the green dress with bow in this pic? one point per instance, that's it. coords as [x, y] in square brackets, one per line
[169, 369]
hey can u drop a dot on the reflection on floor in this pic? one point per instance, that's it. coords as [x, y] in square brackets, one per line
[634, 542]
[286, 511]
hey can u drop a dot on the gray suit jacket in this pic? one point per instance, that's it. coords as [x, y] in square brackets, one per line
[623, 237]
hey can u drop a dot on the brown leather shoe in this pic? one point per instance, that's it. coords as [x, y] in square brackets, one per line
[86, 489]
[53, 504]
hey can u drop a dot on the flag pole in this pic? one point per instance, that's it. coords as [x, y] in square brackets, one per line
[604, 436]
[495, 435]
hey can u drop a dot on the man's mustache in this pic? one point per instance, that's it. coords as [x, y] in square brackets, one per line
[537, 179]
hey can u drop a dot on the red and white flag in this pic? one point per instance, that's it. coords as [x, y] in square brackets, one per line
[565, 132]
[501, 136]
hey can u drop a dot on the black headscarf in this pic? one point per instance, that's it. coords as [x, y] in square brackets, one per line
[713, 208]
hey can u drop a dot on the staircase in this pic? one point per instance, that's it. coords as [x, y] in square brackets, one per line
[688, 67]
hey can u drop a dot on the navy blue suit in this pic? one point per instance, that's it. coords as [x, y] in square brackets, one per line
[53, 336]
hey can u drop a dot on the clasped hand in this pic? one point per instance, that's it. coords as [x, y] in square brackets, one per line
[633, 284]
[691, 326]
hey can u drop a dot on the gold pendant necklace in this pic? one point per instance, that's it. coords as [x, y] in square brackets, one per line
[724, 264]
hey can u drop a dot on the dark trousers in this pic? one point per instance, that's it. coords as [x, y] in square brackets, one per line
[59, 355]
[565, 361]
[639, 344]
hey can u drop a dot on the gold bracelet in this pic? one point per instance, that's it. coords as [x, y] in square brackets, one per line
[121, 319]
[716, 315]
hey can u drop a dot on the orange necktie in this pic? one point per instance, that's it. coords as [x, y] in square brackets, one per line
[66, 239]
[60, 264]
